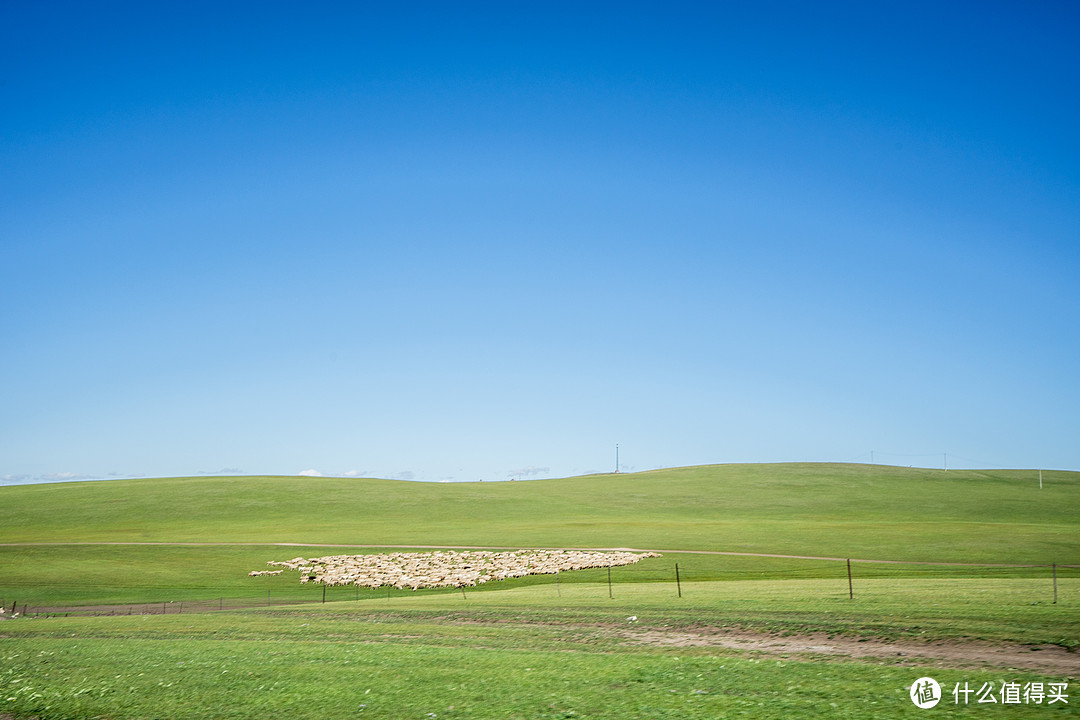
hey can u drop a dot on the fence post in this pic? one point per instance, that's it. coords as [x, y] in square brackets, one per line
[677, 583]
[609, 583]
[1054, 567]
[850, 590]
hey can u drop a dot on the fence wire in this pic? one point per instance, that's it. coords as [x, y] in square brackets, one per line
[678, 570]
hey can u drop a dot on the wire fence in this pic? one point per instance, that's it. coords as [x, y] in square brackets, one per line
[168, 607]
[681, 574]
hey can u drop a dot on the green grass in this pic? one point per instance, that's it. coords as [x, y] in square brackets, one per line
[323, 678]
[110, 574]
[868, 512]
[531, 648]
[859, 511]
[1013, 610]
[520, 653]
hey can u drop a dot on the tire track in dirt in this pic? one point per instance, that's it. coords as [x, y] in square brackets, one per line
[1043, 658]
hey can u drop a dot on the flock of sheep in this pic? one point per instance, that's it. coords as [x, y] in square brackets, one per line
[446, 568]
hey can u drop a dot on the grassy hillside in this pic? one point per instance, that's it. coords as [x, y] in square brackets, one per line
[872, 512]
[531, 647]
[532, 653]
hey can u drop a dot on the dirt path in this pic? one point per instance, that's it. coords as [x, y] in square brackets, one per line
[1052, 659]
[1043, 658]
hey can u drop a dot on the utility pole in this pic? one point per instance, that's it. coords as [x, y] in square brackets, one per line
[616, 458]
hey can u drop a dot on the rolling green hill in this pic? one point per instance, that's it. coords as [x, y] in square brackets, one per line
[798, 509]
[860, 511]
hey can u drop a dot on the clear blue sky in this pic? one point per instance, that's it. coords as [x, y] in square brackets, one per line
[454, 241]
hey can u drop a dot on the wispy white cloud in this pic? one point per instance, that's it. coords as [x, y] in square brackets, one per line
[65, 476]
[310, 473]
[530, 471]
[27, 479]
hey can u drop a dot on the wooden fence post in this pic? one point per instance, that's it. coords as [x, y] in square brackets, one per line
[850, 590]
[677, 583]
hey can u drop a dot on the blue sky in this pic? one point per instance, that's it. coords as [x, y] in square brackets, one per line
[462, 241]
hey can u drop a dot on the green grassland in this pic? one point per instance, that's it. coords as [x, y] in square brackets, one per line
[840, 511]
[73, 575]
[872, 512]
[527, 652]
[450, 673]
[533, 647]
